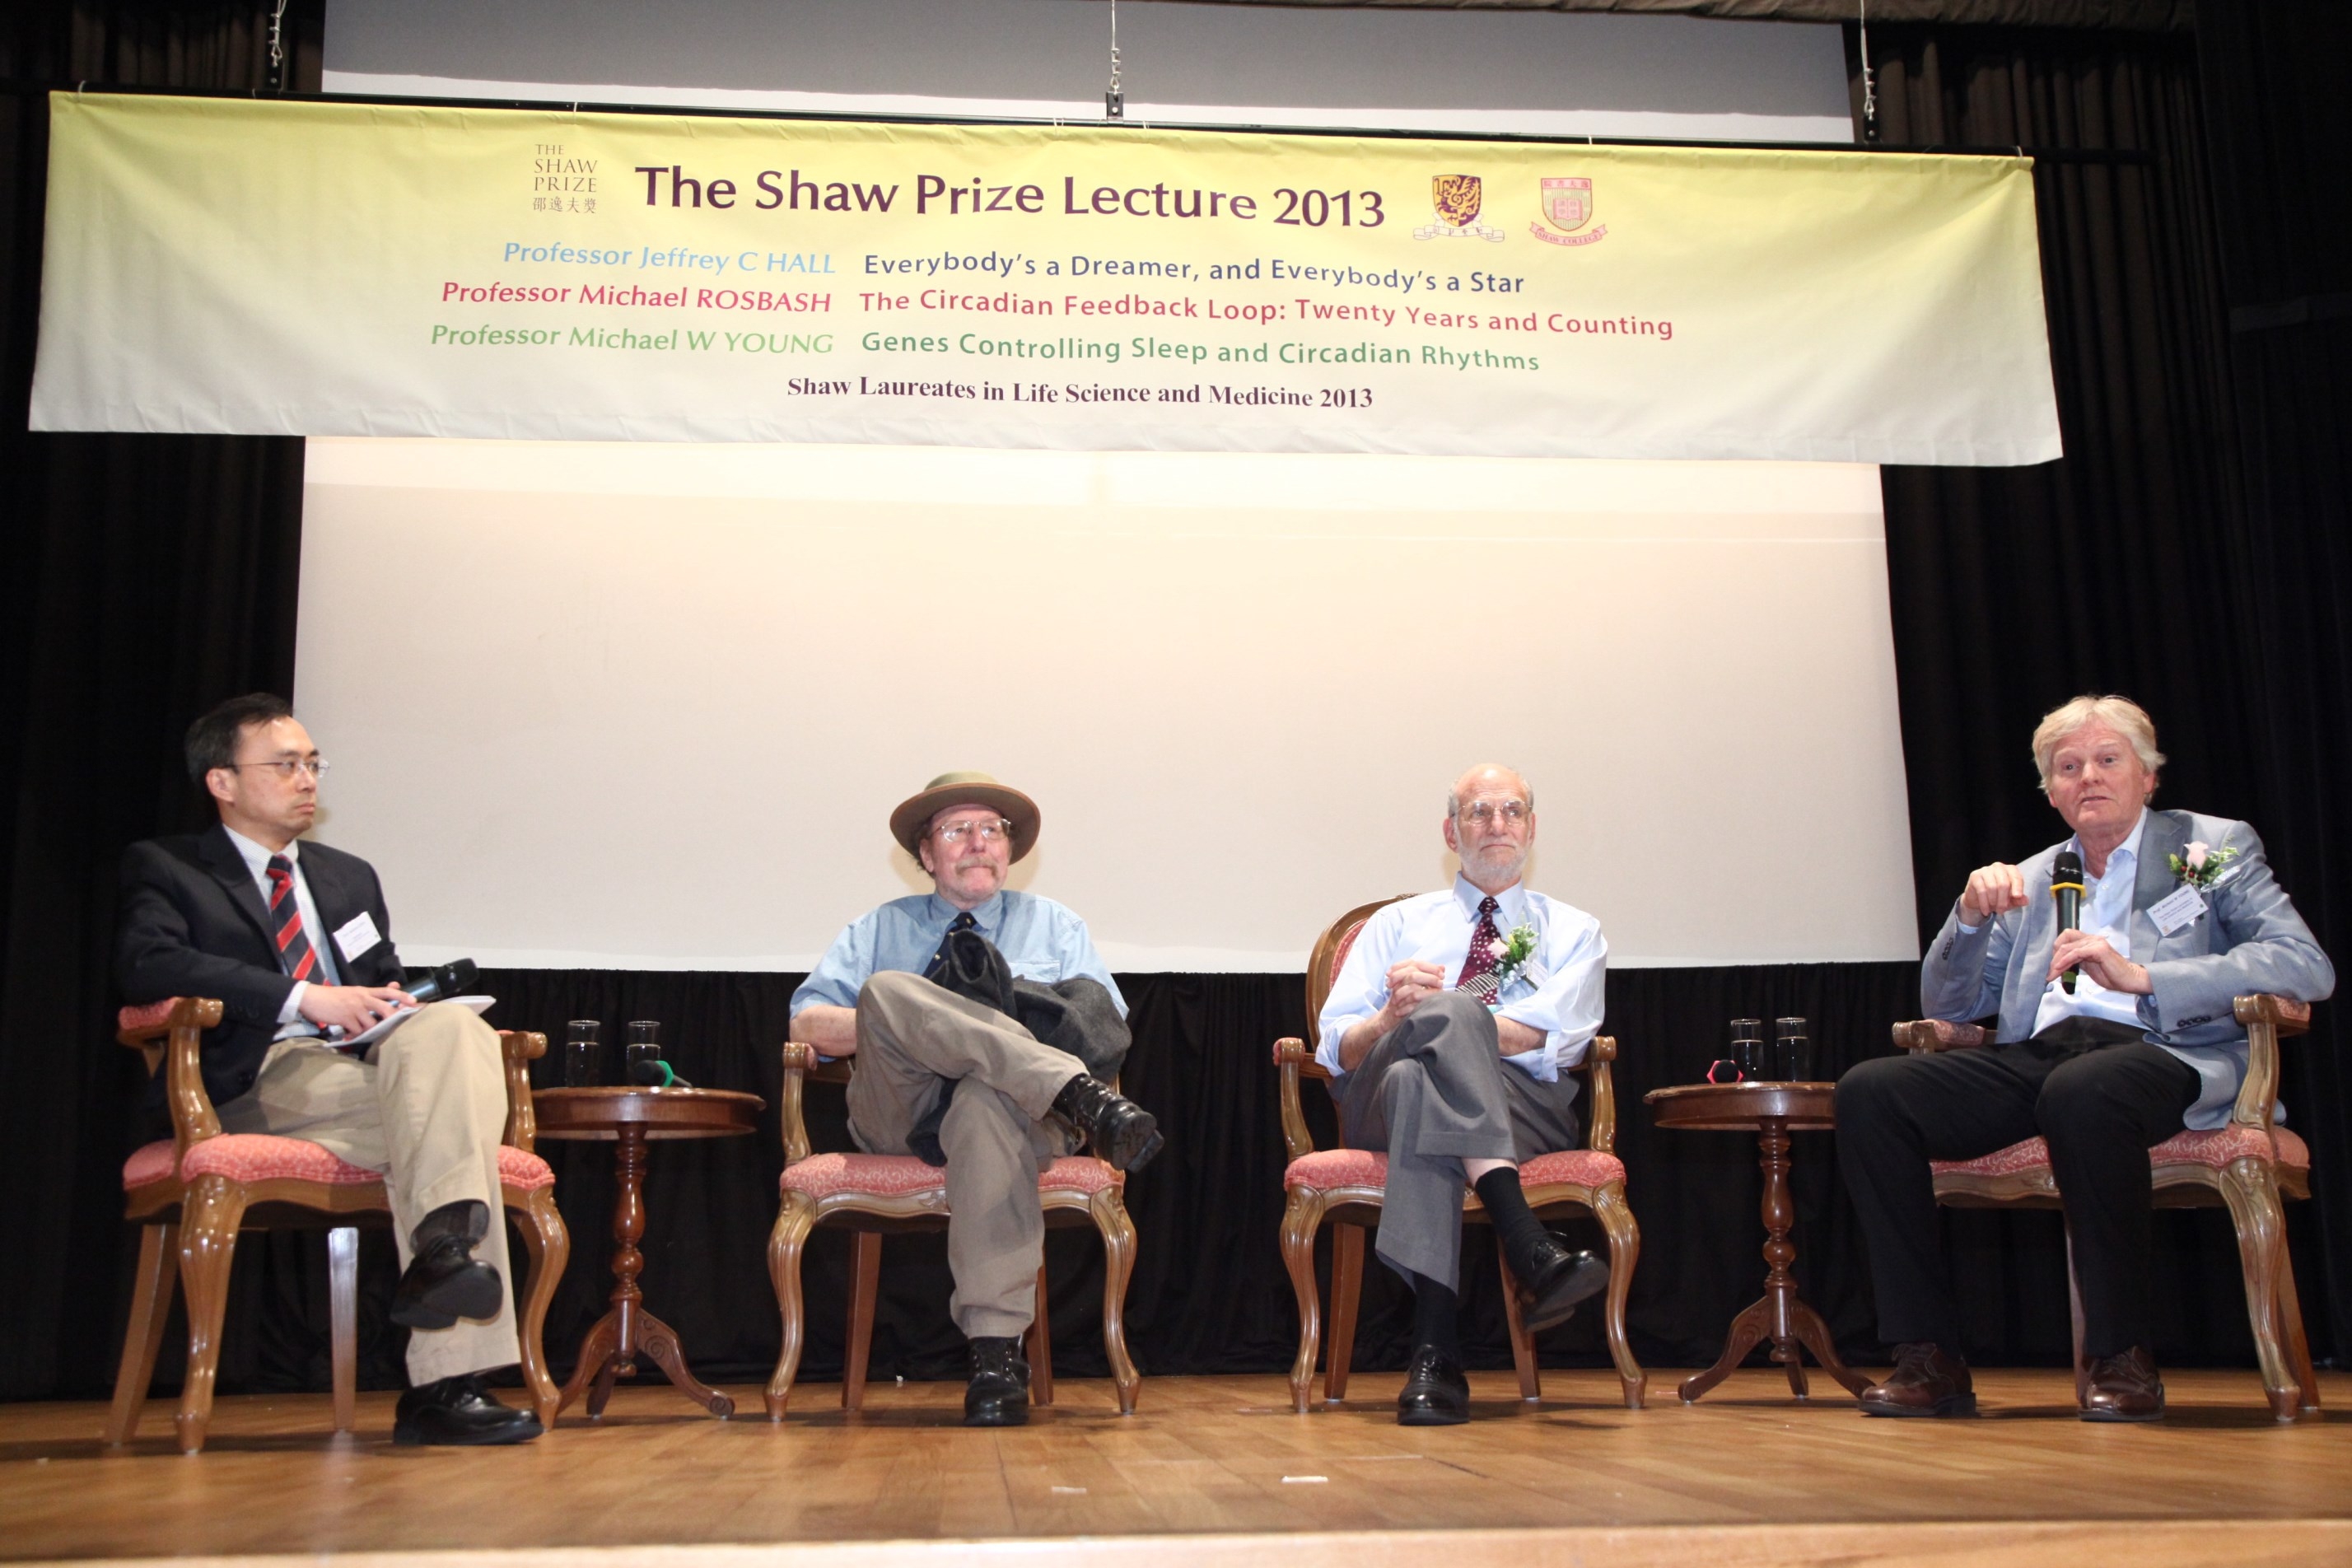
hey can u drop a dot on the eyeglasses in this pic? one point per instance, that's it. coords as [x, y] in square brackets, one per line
[289, 767]
[1484, 812]
[988, 831]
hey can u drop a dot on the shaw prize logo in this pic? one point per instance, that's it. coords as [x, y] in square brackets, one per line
[1568, 203]
[1457, 198]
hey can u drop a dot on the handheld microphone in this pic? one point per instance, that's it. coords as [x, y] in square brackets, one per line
[2066, 888]
[449, 980]
[655, 1074]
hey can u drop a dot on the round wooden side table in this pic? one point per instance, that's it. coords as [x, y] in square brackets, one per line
[1771, 1111]
[628, 1118]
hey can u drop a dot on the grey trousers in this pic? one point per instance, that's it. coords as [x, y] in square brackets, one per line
[426, 1107]
[916, 1041]
[1432, 1092]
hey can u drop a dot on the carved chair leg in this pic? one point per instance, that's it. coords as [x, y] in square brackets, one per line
[208, 1224]
[1346, 1291]
[1523, 1344]
[1041, 1347]
[864, 1284]
[1616, 1219]
[2251, 1193]
[548, 1247]
[343, 1321]
[2298, 1346]
[150, 1306]
[1301, 1217]
[785, 1243]
[1119, 1266]
[2074, 1312]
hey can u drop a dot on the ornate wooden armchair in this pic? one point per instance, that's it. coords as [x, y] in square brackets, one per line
[1345, 1187]
[2246, 1164]
[191, 1194]
[874, 1196]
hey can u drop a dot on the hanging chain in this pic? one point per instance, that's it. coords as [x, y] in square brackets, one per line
[1869, 79]
[278, 47]
[1114, 96]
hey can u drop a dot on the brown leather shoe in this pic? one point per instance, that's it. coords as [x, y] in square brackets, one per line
[2124, 1388]
[1925, 1382]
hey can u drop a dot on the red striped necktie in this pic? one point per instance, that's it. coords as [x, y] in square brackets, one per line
[294, 955]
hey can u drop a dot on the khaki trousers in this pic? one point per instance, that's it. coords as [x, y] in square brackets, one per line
[426, 1107]
[916, 1041]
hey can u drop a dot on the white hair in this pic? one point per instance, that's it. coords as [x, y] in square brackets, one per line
[2121, 714]
[1454, 797]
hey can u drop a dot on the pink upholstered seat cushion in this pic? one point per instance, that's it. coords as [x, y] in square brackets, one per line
[898, 1175]
[145, 1018]
[258, 1157]
[1326, 1168]
[2216, 1149]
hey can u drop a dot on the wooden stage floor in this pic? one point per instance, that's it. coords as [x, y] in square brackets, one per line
[1217, 1471]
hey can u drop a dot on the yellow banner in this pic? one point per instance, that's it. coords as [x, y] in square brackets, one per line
[234, 266]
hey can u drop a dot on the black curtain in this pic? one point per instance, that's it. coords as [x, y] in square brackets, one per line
[2188, 550]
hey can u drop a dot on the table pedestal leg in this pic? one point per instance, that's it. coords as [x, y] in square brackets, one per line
[611, 1348]
[1781, 1315]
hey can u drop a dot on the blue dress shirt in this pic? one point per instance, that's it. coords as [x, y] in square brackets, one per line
[1558, 992]
[1041, 941]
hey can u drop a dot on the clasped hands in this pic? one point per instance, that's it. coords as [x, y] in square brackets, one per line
[1999, 887]
[1411, 983]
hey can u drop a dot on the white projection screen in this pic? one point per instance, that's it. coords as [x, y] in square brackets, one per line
[649, 706]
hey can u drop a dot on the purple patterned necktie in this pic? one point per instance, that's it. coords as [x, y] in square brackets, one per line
[1478, 967]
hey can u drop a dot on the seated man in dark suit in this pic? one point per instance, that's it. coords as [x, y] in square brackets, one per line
[294, 940]
[2179, 916]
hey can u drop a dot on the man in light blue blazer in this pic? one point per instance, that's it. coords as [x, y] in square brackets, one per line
[2112, 1038]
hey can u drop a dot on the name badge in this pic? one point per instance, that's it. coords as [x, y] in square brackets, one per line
[356, 936]
[2177, 910]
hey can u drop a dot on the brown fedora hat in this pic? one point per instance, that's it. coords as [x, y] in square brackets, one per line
[913, 818]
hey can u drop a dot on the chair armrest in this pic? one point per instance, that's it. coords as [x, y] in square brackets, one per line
[1291, 1061]
[172, 1033]
[800, 1061]
[1601, 1136]
[2266, 1019]
[521, 1048]
[1924, 1036]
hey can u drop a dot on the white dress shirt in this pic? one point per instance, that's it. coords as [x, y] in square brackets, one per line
[1559, 991]
[257, 861]
[2106, 912]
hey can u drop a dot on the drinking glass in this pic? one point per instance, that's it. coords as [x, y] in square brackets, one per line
[1747, 1048]
[1792, 1051]
[644, 1044]
[582, 1045]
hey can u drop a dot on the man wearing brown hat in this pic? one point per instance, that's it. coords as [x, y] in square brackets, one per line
[1011, 1101]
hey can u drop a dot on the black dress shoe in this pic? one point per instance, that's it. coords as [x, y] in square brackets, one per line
[444, 1281]
[1120, 1130]
[998, 1395]
[458, 1412]
[1436, 1394]
[1556, 1281]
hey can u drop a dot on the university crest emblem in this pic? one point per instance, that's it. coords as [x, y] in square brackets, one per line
[1567, 203]
[1457, 199]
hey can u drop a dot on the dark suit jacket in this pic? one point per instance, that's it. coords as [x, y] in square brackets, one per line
[194, 925]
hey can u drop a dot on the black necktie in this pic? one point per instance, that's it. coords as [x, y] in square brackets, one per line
[939, 963]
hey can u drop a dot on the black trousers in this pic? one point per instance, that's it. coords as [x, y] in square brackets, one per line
[2101, 1106]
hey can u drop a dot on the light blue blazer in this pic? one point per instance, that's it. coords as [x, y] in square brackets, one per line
[2249, 940]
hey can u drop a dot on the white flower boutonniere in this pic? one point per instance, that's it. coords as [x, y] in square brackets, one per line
[2201, 865]
[1511, 954]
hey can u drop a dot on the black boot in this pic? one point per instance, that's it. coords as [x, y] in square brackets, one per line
[998, 1395]
[444, 1281]
[1120, 1130]
[460, 1412]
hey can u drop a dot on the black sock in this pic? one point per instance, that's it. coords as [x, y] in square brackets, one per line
[1517, 1230]
[1433, 1311]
